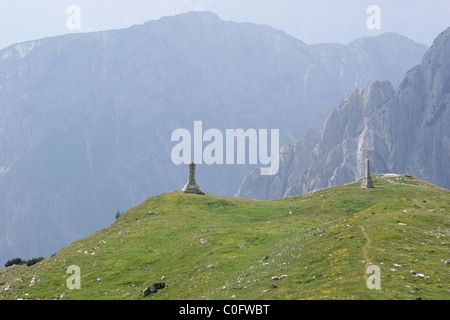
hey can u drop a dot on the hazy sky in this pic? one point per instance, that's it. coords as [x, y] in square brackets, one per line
[309, 20]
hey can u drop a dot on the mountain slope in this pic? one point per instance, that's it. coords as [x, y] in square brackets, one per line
[86, 119]
[314, 246]
[402, 131]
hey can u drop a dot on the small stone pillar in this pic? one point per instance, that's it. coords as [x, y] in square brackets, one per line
[367, 181]
[191, 186]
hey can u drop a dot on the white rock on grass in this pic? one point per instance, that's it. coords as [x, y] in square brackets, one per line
[6, 288]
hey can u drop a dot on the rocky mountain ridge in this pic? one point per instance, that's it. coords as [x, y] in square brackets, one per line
[402, 131]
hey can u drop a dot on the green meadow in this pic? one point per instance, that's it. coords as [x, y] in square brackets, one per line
[317, 245]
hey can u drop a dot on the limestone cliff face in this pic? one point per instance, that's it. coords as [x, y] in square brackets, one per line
[403, 131]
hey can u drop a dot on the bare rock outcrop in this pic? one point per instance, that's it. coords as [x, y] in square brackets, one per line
[402, 131]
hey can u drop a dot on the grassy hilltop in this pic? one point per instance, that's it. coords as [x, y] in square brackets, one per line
[316, 245]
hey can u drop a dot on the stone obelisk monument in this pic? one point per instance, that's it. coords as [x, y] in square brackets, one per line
[191, 186]
[367, 181]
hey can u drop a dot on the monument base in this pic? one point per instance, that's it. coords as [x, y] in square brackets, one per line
[367, 182]
[191, 189]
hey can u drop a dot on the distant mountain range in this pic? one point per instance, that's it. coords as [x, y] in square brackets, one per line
[86, 119]
[402, 131]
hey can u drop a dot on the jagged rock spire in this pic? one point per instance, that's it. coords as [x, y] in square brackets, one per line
[367, 181]
[191, 186]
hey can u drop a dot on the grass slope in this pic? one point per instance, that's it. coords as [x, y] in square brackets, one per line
[318, 245]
